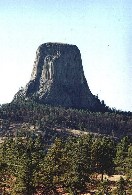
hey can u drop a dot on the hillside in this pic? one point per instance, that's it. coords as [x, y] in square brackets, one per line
[52, 150]
[72, 166]
[29, 117]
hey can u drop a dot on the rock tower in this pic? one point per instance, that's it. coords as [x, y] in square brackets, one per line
[58, 78]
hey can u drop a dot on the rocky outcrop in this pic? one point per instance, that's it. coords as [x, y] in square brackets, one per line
[58, 78]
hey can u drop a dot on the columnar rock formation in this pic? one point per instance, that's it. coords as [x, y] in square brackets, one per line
[58, 78]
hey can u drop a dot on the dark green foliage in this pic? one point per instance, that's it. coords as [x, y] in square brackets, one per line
[114, 123]
[103, 153]
[47, 158]
[123, 156]
[53, 167]
[28, 166]
[128, 163]
[121, 187]
[78, 152]
[104, 188]
[66, 164]
[21, 159]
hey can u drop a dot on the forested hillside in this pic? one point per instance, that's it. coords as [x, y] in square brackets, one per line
[48, 150]
[29, 167]
[113, 123]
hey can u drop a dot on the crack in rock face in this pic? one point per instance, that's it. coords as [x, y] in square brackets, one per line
[58, 78]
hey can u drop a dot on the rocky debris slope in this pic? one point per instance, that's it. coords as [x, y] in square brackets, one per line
[58, 79]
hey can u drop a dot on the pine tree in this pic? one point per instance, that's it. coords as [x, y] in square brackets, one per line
[103, 153]
[121, 155]
[128, 163]
[79, 161]
[121, 187]
[52, 168]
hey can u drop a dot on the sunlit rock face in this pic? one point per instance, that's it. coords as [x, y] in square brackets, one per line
[58, 78]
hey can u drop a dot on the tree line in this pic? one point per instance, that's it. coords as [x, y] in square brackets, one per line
[114, 123]
[28, 166]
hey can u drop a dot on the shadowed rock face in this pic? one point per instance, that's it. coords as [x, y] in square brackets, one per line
[58, 78]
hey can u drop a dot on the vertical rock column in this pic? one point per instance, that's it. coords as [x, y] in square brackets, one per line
[58, 78]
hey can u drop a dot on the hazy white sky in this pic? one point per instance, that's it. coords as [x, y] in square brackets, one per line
[102, 30]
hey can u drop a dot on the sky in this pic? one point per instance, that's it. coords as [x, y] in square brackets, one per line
[101, 29]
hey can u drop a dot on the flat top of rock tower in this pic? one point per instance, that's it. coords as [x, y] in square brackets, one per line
[54, 46]
[48, 44]
[57, 43]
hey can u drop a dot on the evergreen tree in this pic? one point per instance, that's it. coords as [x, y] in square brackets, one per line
[103, 153]
[79, 158]
[53, 167]
[104, 188]
[121, 155]
[121, 187]
[128, 163]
